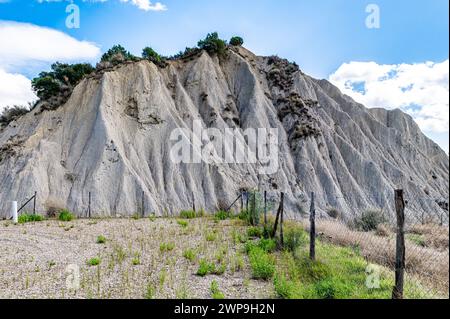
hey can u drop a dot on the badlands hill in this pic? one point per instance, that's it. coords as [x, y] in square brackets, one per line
[112, 139]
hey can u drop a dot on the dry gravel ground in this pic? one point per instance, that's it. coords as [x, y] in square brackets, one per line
[36, 258]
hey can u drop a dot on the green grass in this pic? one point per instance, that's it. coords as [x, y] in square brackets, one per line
[339, 273]
[165, 247]
[215, 291]
[211, 236]
[65, 216]
[190, 255]
[182, 223]
[94, 261]
[222, 215]
[417, 239]
[101, 239]
[206, 268]
[190, 214]
[255, 232]
[29, 218]
[261, 263]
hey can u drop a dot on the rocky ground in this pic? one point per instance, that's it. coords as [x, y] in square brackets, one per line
[38, 260]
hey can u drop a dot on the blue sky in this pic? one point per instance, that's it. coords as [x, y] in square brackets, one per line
[321, 36]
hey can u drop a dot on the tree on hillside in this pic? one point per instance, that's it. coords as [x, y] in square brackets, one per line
[237, 41]
[149, 54]
[117, 54]
[213, 44]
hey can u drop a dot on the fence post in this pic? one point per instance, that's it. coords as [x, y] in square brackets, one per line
[34, 203]
[278, 216]
[89, 205]
[400, 246]
[14, 213]
[193, 202]
[255, 212]
[281, 221]
[312, 229]
[143, 205]
[265, 208]
[246, 202]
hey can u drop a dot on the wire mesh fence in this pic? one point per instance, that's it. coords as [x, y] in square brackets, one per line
[372, 236]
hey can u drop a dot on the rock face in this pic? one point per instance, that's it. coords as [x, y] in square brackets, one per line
[112, 139]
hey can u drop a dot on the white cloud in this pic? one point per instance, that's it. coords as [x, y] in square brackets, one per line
[421, 90]
[25, 45]
[145, 5]
[15, 89]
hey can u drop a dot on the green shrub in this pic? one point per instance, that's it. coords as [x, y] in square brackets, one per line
[117, 54]
[215, 291]
[48, 84]
[94, 261]
[101, 239]
[267, 245]
[29, 218]
[222, 215]
[255, 232]
[150, 291]
[211, 236]
[213, 44]
[182, 223]
[151, 55]
[10, 114]
[205, 268]
[189, 214]
[262, 264]
[236, 41]
[369, 220]
[65, 216]
[284, 288]
[294, 237]
[190, 255]
[164, 247]
[332, 288]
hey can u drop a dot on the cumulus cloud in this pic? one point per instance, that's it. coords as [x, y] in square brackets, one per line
[421, 90]
[15, 89]
[24, 45]
[145, 5]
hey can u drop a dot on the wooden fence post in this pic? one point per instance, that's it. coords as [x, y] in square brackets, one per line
[255, 211]
[265, 208]
[400, 246]
[281, 220]
[242, 201]
[34, 203]
[143, 205]
[246, 202]
[193, 202]
[89, 205]
[312, 229]
[278, 216]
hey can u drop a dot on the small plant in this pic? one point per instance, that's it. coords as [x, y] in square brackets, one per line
[165, 247]
[262, 264]
[333, 213]
[215, 291]
[94, 261]
[255, 232]
[29, 218]
[222, 215]
[183, 223]
[188, 214]
[65, 216]
[101, 239]
[211, 236]
[295, 237]
[205, 268]
[136, 259]
[369, 220]
[190, 255]
[150, 291]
